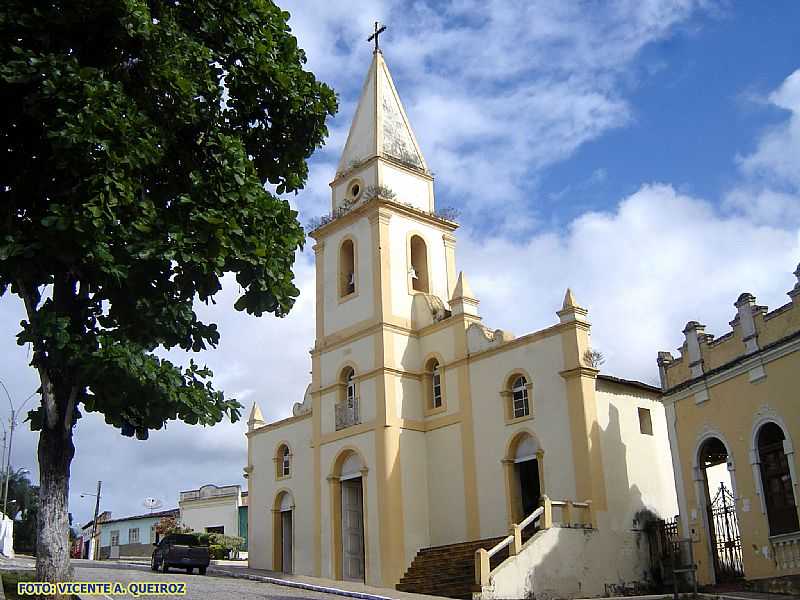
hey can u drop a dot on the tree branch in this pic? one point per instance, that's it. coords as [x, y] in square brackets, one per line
[48, 396]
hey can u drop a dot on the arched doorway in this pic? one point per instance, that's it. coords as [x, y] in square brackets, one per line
[776, 480]
[722, 524]
[347, 495]
[524, 475]
[283, 528]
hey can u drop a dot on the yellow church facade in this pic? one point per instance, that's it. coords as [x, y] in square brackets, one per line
[422, 427]
[732, 406]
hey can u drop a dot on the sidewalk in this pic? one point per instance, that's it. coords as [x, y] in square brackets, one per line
[352, 589]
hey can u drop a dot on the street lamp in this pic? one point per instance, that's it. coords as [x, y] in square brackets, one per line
[13, 424]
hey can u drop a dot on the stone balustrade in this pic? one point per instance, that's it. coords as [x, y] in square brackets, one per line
[786, 550]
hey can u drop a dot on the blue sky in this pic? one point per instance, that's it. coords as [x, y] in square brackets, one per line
[645, 153]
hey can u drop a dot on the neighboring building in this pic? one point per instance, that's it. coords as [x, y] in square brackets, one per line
[215, 509]
[87, 543]
[131, 536]
[733, 413]
[423, 427]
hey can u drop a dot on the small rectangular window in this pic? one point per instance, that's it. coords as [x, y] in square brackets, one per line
[216, 529]
[133, 535]
[645, 422]
[153, 533]
[115, 538]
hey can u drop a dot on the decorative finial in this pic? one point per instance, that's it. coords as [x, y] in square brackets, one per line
[379, 29]
[569, 300]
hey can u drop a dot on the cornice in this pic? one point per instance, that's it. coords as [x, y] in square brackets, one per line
[580, 372]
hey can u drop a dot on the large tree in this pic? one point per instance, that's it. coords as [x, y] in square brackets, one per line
[138, 137]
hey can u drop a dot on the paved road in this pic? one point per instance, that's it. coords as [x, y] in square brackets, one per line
[198, 587]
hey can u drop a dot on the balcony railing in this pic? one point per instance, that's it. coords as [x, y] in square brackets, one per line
[347, 414]
[786, 550]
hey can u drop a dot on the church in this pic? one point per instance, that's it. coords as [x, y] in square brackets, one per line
[431, 443]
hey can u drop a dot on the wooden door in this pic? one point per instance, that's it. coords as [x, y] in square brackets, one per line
[286, 540]
[352, 530]
[778, 494]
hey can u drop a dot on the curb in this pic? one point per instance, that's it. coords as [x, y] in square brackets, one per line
[303, 586]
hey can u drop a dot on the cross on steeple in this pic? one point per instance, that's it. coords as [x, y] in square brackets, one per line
[379, 29]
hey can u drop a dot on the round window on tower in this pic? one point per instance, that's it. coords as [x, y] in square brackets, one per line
[354, 189]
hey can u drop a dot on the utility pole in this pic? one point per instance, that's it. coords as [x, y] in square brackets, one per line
[94, 545]
[8, 460]
[13, 424]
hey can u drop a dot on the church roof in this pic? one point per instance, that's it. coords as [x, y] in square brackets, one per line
[380, 126]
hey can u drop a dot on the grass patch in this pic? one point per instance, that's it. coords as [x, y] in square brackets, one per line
[10, 580]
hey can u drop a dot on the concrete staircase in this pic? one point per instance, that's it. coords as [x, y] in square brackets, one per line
[447, 570]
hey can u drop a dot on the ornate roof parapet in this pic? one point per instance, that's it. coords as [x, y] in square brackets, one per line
[664, 360]
[794, 293]
[746, 309]
[304, 407]
[754, 328]
[694, 332]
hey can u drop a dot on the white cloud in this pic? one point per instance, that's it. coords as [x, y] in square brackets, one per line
[658, 260]
[777, 156]
[495, 90]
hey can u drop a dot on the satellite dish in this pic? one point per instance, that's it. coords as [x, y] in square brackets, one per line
[152, 503]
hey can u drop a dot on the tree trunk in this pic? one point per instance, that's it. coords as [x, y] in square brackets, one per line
[55, 456]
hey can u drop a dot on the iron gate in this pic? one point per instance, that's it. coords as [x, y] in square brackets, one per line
[725, 537]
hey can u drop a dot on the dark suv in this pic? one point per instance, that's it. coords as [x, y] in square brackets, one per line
[182, 551]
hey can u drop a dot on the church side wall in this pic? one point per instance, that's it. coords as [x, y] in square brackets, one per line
[638, 466]
[414, 461]
[541, 360]
[264, 486]
[446, 486]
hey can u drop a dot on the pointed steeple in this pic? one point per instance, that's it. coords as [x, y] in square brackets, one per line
[380, 126]
[463, 289]
[571, 310]
[256, 419]
[463, 300]
[569, 300]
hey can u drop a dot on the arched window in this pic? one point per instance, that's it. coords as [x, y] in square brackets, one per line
[418, 271]
[346, 410]
[283, 461]
[350, 387]
[520, 406]
[347, 269]
[776, 480]
[436, 385]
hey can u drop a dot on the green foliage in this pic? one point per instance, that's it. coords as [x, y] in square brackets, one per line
[138, 138]
[167, 525]
[229, 542]
[23, 507]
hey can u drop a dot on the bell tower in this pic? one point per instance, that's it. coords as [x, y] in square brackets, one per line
[382, 243]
